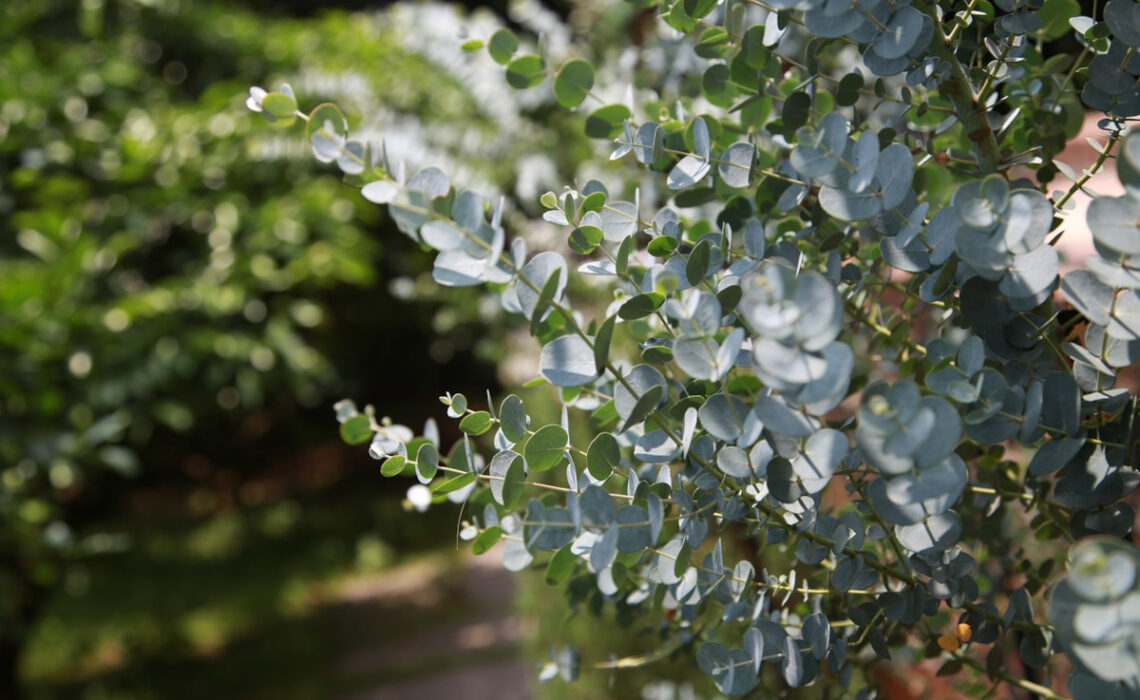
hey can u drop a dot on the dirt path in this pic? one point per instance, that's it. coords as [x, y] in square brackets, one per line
[431, 630]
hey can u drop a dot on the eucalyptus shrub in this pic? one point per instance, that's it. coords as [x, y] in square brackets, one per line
[840, 370]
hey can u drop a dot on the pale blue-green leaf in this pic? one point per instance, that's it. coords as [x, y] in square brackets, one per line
[865, 160]
[605, 548]
[912, 257]
[824, 394]
[728, 352]
[699, 316]
[792, 196]
[849, 206]
[736, 164]
[618, 221]
[900, 35]
[351, 158]
[792, 663]
[1026, 221]
[733, 461]
[688, 172]
[568, 361]
[937, 532]
[1115, 223]
[697, 357]
[634, 533]
[723, 416]
[908, 436]
[944, 438]
[785, 367]
[754, 239]
[689, 426]
[811, 160]
[442, 235]
[1055, 454]
[701, 143]
[873, 446]
[655, 447]
[1124, 323]
[779, 418]
[1031, 274]
[641, 379]
[823, 452]
[754, 645]
[1119, 353]
[936, 487]
[656, 513]
[817, 633]
[597, 507]
[431, 181]
[515, 555]
[467, 210]
[649, 143]
[821, 312]
[454, 268]
[381, 191]
[894, 173]
[537, 272]
[971, 355]
[500, 463]
[1088, 295]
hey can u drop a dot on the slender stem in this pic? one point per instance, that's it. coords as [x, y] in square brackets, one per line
[959, 91]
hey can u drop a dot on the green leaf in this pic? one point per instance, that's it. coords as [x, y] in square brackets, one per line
[607, 122]
[713, 43]
[645, 405]
[797, 109]
[698, 264]
[572, 82]
[526, 71]
[545, 298]
[621, 263]
[561, 566]
[514, 482]
[471, 45]
[657, 355]
[604, 415]
[602, 343]
[662, 246]
[641, 306]
[455, 484]
[847, 93]
[427, 461]
[594, 201]
[322, 114]
[502, 46]
[699, 8]
[715, 80]
[393, 466]
[546, 448]
[512, 417]
[279, 109]
[585, 239]
[476, 423]
[679, 19]
[356, 430]
[486, 539]
[602, 456]
[1055, 16]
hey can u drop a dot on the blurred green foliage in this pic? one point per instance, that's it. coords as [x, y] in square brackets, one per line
[173, 302]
